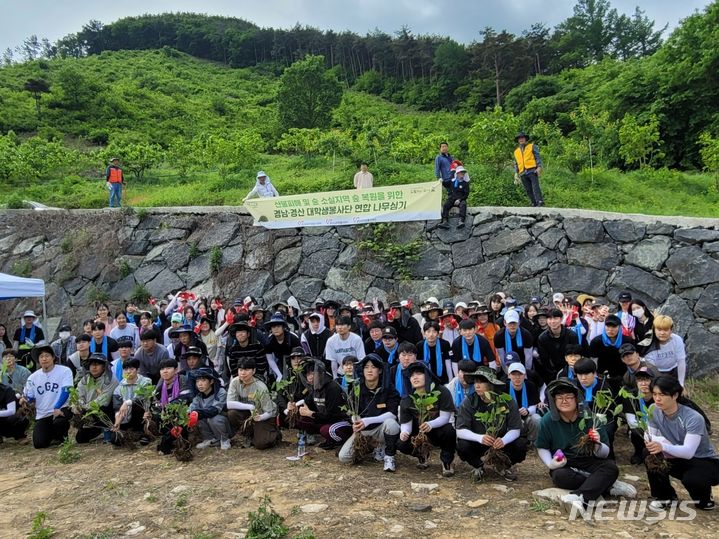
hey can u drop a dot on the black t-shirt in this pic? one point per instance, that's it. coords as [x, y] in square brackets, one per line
[374, 402]
[39, 335]
[532, 393]
[527, 341]
[446, 352]
[112, 347]
[473, 404]
[282, 350]
[407, 411]
[608, 358]
[486, 355]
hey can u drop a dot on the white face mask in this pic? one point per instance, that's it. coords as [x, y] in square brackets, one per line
[64, 335]
[638, 312]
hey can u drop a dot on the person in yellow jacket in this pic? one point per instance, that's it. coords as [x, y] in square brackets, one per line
[528, 168]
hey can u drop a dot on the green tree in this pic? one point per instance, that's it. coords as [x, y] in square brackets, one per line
[228, 153]
[491, 139]
[136, 155]
[639, 143]
[307, 94]
[76, 88]
[37, 87]
[710, 155]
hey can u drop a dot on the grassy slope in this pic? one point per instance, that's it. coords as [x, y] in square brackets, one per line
[167, 95]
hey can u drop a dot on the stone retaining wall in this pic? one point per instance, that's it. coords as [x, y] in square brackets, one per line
[671, 263]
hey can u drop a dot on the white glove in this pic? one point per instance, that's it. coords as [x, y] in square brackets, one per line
[516, 178]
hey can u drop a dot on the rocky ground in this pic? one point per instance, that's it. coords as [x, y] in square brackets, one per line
[116, 493]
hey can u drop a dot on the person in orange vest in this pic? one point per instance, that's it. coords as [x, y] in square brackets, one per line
[115, 181]
[528, 168]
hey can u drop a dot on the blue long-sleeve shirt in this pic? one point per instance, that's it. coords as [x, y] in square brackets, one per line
[441, 167]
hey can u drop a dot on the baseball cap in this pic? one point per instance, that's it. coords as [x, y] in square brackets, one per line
[558, 297]
[177, 317]
[511, 317]
[389, 331]
[627, 348]
[516, 367]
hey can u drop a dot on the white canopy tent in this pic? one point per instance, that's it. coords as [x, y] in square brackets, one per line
[12, 287]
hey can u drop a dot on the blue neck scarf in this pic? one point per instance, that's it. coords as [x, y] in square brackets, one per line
[455, 183]
[570, 373]
[475, 350]
[399, 382]
[118, 370]
[508, 339]
[589, 391]
[377, 344]
[578, 331]
[93, 347]
[459, 394]
[344, 383]
[390, 358]
[439, 368]
[643, 406]
[524, 394]
[605, 340]
[32, 334]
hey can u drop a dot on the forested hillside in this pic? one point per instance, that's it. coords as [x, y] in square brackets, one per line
[206, 101]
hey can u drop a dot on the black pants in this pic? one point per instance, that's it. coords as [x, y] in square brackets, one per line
[530, 180]
[589, 476]
[697, 475]
[638, 443]
[443, 437]
[48, 429]
[472, 452]
[13, 427]
[449, 204]
[88, 433]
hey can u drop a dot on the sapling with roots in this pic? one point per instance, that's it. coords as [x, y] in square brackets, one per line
[595, 418]
[145, 396]
[424, 403]
[289, 387]
[361, 444]
[176, 417]
[643, 415]
[494, 420]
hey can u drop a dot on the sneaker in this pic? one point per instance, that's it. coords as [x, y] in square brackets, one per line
[508, 475]
[636, 459]
[660, 505]
[378, 453]
[204, 444]
[389, 464]
[706, 506]
[444, 225]
[225, 444]
[447, 470]
[620, 488]
[328, 445]
[144, 440]
[478, 474]
[423, 463]
[461, 224]
[568, 501]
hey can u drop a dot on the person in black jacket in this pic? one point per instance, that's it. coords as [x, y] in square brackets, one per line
[186, 339]
[435, 352]
[401, 319]
[376, 414]
[436, 426]
[314, 338]
[551, 347]
[605, 349]
[458, 192]
[322, 410]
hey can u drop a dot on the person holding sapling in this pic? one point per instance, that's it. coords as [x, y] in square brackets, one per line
[130, 399]
[250, 408]
[322, 410]
[290, 390]
[372, 407]
[488, 427]
[635, 403]
[425, 415]
[172, 388]
[587, 476]
[678, 435]
[97, 386]
[209, 402]
[596, 399]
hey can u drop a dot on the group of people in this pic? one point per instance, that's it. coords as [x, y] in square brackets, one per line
[485, 381]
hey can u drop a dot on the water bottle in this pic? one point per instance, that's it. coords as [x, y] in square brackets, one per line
[301, 445]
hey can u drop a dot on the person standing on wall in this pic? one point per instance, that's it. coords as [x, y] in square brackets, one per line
[528, 168]
[363, 179]
[115, 182]
[443, 164]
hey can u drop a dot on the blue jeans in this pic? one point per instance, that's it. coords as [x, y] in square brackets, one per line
[115, 194]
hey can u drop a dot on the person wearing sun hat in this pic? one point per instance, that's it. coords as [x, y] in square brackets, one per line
[29, 334]
[528, 168]
[279, 346]
[96, 386]
[263, 188]
[209, 403]
[472, 438]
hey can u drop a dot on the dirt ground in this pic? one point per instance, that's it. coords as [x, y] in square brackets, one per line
[109, 492]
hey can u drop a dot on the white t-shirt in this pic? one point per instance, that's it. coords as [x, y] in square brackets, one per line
[45, 388]
[336, 349]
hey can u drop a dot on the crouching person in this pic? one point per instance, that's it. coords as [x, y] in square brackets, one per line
[209, 402]
[129, 410]
[321, 411]
[678, 434]
[476, 436]
[97, 385]
[376, 418]
[49, 389]
[526, 395]
[435, 425]
[250, 408]
[586, 476]
[172, 388]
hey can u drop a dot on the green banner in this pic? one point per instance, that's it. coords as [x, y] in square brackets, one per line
[413, 202]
